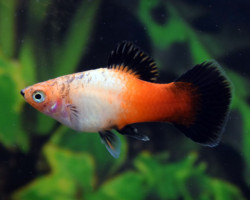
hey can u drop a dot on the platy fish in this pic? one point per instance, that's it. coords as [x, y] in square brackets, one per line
[125, 92]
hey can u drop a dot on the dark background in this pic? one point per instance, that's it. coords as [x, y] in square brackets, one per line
[40, 159]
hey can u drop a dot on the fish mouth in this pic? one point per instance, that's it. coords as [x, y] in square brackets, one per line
[22, 92]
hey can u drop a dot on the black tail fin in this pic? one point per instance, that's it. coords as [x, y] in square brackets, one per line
[214, 98]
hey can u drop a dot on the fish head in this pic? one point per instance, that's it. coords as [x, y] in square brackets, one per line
[44, 97]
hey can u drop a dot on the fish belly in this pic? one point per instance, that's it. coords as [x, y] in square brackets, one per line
[99, 101]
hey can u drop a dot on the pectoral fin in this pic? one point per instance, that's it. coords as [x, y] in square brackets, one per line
[73, 114]
[112, 142]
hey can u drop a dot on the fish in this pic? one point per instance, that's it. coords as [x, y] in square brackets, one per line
[126, 92]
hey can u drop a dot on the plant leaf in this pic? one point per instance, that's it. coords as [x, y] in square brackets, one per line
[71, 177]
[76, 41]
[7, 21]
[91, 143]
[11, 133]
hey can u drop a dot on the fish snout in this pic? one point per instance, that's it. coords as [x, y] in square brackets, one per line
[22, 92]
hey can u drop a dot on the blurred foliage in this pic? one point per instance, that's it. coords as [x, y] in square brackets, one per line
[70, 172]
[176, 29]
[11, 133]
[72, 177]
[41, 160]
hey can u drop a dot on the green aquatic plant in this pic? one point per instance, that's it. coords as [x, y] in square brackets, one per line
[176, 29]
[11, 133]
[72, 176]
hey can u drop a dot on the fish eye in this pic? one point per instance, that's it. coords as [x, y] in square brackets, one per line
[38, 96]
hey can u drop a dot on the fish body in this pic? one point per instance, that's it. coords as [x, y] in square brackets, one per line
[102, 99]
[125, 93]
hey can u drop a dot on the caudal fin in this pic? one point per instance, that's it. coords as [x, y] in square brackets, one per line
[213, 98]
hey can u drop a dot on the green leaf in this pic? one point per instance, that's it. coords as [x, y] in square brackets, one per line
[240, 103]
[127, 186]
[44, 123]
[68, 55]
[7, 27]
[91, 143]
[182, 180]
[178, 28]
[175, 30]
[11, 133]
[9, 118]
[71, 177]
[223, 190]
[28, 62]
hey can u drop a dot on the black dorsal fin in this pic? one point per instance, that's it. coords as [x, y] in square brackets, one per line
[127, 56]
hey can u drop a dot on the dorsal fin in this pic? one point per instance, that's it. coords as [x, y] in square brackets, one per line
[128, 57]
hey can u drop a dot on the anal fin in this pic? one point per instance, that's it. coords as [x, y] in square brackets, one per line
[132, 132]
[112, 142]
